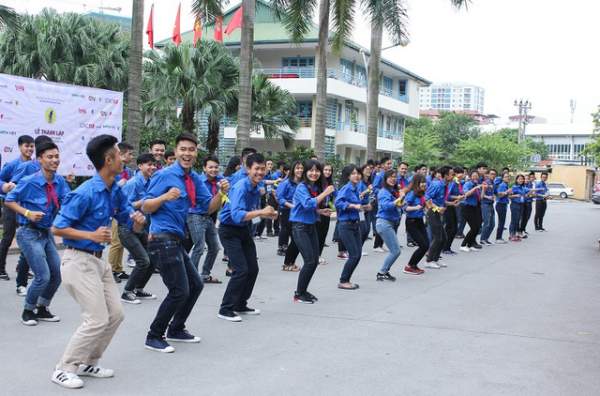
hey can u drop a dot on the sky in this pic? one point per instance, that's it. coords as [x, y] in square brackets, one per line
[541, 50]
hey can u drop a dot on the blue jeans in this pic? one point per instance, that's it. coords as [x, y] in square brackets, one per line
[501, 210]
[489, 222]
[515, 218]
[182, 280]
[350, 234]
[39, 248]
[203, 232]
[387, 230]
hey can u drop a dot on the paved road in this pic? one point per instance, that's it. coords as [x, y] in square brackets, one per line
[519, 319]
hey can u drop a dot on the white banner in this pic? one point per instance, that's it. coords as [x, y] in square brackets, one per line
[69, 114]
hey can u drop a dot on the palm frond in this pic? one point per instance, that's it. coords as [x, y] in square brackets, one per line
[297, 18]
[209, 9]
[342, 19]
[9, 17]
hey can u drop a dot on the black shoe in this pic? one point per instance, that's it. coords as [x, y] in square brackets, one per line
[156, 270]
[116, 277]
[325, 245]
[387, 276]
[29, 318]
[4, 276]
[228, 272]
[247, 311]
[276, 233]
[303, 298]
[229, 315]
[123, 275]
[312, 296]
[45, 315]
[225, 259]
[476, 246]
[129, 297]
[144, 295]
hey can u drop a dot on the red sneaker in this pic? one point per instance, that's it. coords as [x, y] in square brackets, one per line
[343, 256]
[413, 271]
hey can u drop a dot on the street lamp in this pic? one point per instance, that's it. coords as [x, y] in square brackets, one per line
[524, 107]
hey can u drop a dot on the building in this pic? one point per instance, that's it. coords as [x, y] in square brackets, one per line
[123, 22]
[452, 97]
[565, 142]
[292, 66]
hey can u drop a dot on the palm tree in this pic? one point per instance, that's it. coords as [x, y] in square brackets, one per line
[274, 111]
[8, 17]
[198, 81]
[69, 48]
[134, 106]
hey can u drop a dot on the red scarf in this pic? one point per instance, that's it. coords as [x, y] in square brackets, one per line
[51, 196]
[125, 174]
[213, 187]
[446, 193]
[190, 188]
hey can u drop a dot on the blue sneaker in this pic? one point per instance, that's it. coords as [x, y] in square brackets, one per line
[158, 345]
[181, 336]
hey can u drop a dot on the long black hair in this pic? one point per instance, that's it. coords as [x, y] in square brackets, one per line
[416, 184]
[292, 172]
[308, 165]
[388, 173]
[346, 172]
[231, 165]
[327, 180]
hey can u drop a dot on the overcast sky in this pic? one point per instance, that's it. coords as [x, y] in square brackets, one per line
[541, 50]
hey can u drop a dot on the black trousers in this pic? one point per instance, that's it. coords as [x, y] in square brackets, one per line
[244, 264]
[9, 224]
[273, 225]
[286, 227]
[417, 231]
[450, 226]
[540, 212]
[307, 239]
[525, 216]
[322, 231]
[438, 234]
[472, 215]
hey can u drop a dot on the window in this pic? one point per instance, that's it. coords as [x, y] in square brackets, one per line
[403, 90]
[386, 87]
[305, 109]
[298, 62]
[361, 74]
[347, 70]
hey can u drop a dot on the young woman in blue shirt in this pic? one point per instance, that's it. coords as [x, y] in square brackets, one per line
[304, 216]
[518, 195]
[471, 212]
[501, 206]
[388, 219]
[285, 195]
[414, 206]
[324, 221]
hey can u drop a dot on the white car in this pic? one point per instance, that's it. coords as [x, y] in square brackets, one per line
[560, 190]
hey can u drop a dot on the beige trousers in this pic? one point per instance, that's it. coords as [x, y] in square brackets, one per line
[90, 282]
[115, 252]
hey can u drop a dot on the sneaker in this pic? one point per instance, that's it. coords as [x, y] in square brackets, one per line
[474, 249]
[433, 265]
[442, 264]
[303, 298]
[449, 252]
[182, 336]
[476, 246]
[4, 276]
[389, 277]
[44, 314]
[230, 316]
[500, 242]
[379, 250]
[116, 277]
[543, 230]
[129, 297]
[365, 253]
[29, 318]
[21, 291]
[322, 261]
[385, 249]
[342, 256]
[413, 271]
[131, 263]
[123, 275]
[158, 345]
[86, 370]
[459, 236]
[411, 244]
[144, 295]
[312, 296]
[247, 311]
[66, 379]
[225, 259]
[465, 249]
[490, 243]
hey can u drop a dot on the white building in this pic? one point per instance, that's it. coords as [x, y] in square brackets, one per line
[452, 97]
[565, 142]
[292, 66]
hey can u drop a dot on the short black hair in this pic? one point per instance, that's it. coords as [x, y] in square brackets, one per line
[249, 150]
[254, 158]
[169, 153]
[403, 163]
[532, 173]
[41, 139]
[459, 169]
[506, 169]
[371, 162]
[209, 158]
[544, 173]
[98, 147]
[384, 160]
[44, 146]
[281, 163]
[158, 141]
[145, 158]
[186, 137]
[481, 165]
[444, 170]
[493, 170]
[24, 139]
[123, 146]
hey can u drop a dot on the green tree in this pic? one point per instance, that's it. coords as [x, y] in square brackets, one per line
[421, 144]
[593, 149]
[534, 147]
[197, 80]
[495, 150]
[452, 129]
[8, 17]
[69, 48]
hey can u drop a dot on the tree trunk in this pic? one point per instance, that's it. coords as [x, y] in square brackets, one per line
[187, 118]
[212, 139]
[134, 102]
[373, 88]
[245, 95]
[321, 105]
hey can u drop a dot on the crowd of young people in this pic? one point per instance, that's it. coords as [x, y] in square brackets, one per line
[167, 216]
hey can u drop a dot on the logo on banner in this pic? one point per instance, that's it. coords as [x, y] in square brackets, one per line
[20, 88]
[8, 149]
[50, 115]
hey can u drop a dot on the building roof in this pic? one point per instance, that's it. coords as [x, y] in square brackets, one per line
[559, 129]
[269, 30]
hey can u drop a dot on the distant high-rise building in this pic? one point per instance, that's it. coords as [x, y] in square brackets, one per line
[452, 97]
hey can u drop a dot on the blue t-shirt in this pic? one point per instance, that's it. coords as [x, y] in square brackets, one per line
[521, 191]
[413, 199]
[25, 168]
[502, 187]
[243, 198]
[542, 191]
[7, 172]
[347, 195]
[285, 193]
[436, 192]
[305, 204]
[473, 199]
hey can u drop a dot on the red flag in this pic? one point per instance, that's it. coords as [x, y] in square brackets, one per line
[197, 30]
[235, 22]
[176, 30]
[150, 28]
[219, 29]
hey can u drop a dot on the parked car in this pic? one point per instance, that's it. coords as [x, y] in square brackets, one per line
[597, 187]
[596, 198]
[560, 190]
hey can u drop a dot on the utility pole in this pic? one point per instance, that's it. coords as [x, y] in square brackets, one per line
[524, 107]
[573, 106]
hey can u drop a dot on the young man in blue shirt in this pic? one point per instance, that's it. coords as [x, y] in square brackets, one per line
[9, 218]
[541, 196]
[36, 200]
[527, 205]
[137, 242]
[84, 224]
[169, 196]
[235, 232]
[435, 197]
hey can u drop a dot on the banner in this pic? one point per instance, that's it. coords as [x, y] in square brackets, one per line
[69, 114]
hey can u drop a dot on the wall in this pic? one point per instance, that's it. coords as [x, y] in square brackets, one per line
[580, 178]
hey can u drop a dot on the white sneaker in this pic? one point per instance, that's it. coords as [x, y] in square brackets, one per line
[21, 291]
[322, 261]
[379, 250]
[86, 370]
[464, 249]
[385, 249]
[500, 242]
[490, 243]
[131, 263]
[475, 250]
[365, 253]
[66, 379]
[432, 264]
[442, 264]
